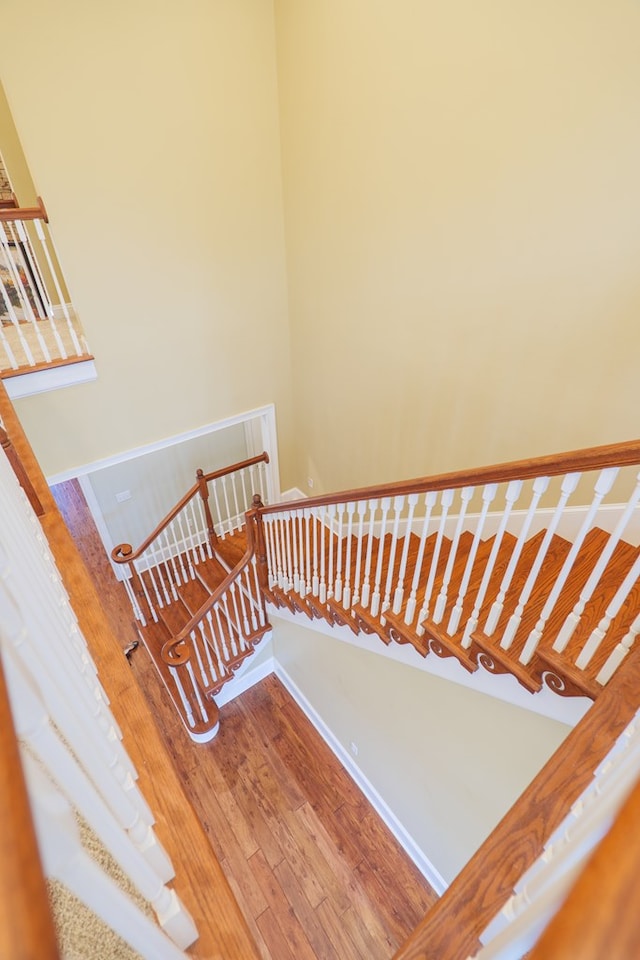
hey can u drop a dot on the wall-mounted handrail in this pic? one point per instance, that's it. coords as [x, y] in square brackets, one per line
[589, 458]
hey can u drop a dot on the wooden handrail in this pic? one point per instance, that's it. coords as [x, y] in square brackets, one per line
[590, 458]
[450, 930]
[20, 472]
[25, 213]
[27, 931]
[124, 553]
[169, 654]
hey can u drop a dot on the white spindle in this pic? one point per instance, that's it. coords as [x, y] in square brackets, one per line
[196, 692]
[231, 625]
[197, 532]
[287, 527]
[573, 619]
[331, 512]
[366, 586]
[322, 520]
[203, 528]
[295, 540]
[221, 530]
[61, 300]
[195, 646]
[223, 481]
[307, 551]
[398, 596]
[540, 485]
[613, 609]
[268, 542]
[385, 503]
[488, 495]
[279, 542]
[246, 501]
[184, 700]
[361, 507]
[168, 552]
[465, 496]
[602, 487]
[233, 480]
[446, 499]
[569, 485]
[25, 301]
[184, 541]
[221, 633]
[429, 502]
[337, 592]
[617, 656]
[398, 507]
[13, 363]
[315, 579]
[346, 593]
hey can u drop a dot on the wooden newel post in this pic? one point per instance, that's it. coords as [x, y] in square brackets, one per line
[203, 489]
[260, 544]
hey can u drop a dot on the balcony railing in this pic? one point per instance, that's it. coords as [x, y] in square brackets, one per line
[38, 325]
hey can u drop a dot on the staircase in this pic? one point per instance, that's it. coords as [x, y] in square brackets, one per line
[495, 568]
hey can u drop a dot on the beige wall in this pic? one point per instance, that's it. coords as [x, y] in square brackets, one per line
[462, 218]
[448, 761]
[151, 130]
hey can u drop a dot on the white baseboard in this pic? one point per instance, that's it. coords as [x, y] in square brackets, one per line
[293, 493]
[422, 862]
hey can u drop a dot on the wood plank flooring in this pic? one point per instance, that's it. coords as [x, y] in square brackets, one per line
[314, 869]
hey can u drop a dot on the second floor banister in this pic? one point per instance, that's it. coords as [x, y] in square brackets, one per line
[38, 326]
[519, 567]
[211, 510]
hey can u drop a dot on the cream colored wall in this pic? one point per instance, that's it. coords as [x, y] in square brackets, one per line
[448, 761]
[462, 219]
[151, 130]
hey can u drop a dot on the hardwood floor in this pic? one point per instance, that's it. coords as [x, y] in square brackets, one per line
[314, 869]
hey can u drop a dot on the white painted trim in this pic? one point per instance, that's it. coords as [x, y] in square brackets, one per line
[41, 381]
[403, 837]
[246, 678]
[269, 435]
[569, 710]
[120, 571]
[293, 493]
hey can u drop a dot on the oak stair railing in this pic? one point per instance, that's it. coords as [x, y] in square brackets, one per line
[493, 566]
[39, 328]
[194, 587]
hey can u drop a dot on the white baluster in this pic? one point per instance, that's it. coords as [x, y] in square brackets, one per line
[331, 512]
[221, 532]
[196, 649]
[221, 633]
[337, 593]
[56, 282]
[385, 503]
[429, 502]
[65, 859]
[398, 596]
[617, 656]
[366, 586]
[572, 621]
[446, 500]
[602, 487]
[223, 481]
[25, 302]
[246, 501]
[199, 532]
[398, 507]
[177, 551]
[488, 495]
[196, 691]
[346, 593]
[598, 635]
[569, 484]
[361, 507]
[207, 647]
[322, 520]
[184, 541]
[294, 537]
[315, 581]
[280, 548]
[184, 700]
[465, 496]
[233, 479]
[175, 579]
[287, 524]
[540, 485]
[268, 542]
[307, 551]
[202, 527]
